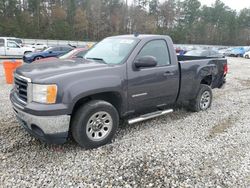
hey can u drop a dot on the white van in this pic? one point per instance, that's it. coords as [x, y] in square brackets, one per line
[9, 47]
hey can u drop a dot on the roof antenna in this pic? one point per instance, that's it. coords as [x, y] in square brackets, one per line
[136, 34]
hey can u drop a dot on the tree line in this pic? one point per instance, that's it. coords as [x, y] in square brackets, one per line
[186, 21]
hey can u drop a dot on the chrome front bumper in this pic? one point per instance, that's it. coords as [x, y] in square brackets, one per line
[46, 128]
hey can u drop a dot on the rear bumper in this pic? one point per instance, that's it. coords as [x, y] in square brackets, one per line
[223, 82]
[51, 129]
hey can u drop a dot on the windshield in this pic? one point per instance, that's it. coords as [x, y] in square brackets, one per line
[18, 41]
[111, 50]
[69, 54]
[48, 49]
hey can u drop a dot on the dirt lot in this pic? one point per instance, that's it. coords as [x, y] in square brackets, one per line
[183, 149]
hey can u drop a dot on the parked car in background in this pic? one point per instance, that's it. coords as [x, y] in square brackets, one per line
[180, 50]
[9, 47]
[247, 55]
[76, 53]
[38, 46]
[246, 48]
[204, 53]
[49, 52]
[235, 52]
[224, 51]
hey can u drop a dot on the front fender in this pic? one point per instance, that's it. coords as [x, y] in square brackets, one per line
[79, 89]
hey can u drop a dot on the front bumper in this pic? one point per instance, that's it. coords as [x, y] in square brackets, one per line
[27, 59]
[51, 129]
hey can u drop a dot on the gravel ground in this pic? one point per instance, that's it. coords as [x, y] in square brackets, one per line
[183, 149]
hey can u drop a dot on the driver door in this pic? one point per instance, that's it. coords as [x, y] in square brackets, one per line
[153, 86]
[13, 49]
[54, 52]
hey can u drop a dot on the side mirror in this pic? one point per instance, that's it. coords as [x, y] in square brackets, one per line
[145, 61]
[50, 52]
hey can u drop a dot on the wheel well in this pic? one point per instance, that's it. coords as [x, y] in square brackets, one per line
[207, 80]
[38, 56]
[113, 98]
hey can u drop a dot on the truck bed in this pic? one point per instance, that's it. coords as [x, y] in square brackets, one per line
[188, 58]
[193, 67]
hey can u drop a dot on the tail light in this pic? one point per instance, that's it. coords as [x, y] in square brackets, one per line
[225, 68]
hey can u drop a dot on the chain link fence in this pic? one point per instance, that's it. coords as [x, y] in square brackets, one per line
[56, 42]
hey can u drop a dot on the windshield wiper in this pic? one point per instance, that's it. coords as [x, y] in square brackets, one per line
[97, 59]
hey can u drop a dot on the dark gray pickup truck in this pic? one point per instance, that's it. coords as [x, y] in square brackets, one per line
[122, 77]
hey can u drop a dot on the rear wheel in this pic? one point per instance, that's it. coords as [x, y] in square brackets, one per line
[94, 124]
[247, 56]
[203, 99]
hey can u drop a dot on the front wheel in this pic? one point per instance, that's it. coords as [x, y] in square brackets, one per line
[203, 99]
[94, 124]
[37, 58]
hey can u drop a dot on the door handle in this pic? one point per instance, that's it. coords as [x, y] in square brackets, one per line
[168, 73]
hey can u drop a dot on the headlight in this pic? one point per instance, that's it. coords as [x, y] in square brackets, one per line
[44, 93]
[29, 54]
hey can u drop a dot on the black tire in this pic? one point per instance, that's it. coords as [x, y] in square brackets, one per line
[247, 56]
[195, 105]
[81, 121]
[37, 58]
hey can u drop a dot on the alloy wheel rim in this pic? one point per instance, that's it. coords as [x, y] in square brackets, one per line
[99, 126]
[205, 100]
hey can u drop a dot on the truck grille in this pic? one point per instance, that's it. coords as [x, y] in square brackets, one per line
[21, 87]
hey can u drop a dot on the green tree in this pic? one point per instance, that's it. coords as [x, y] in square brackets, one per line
[184, 20]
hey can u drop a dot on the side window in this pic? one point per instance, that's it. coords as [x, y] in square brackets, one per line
[213, 53]
[157, 49]
[1, 42]
[55, 49]
[12, 45]
[204, 54]
[66, 49]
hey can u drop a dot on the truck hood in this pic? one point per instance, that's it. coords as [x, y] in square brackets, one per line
[26, 48]
[46, 71]
[34, 53]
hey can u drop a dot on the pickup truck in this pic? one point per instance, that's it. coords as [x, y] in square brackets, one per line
[10, 47]
[127, 77]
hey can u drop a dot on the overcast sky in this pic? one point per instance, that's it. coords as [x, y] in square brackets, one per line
[234, 4]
